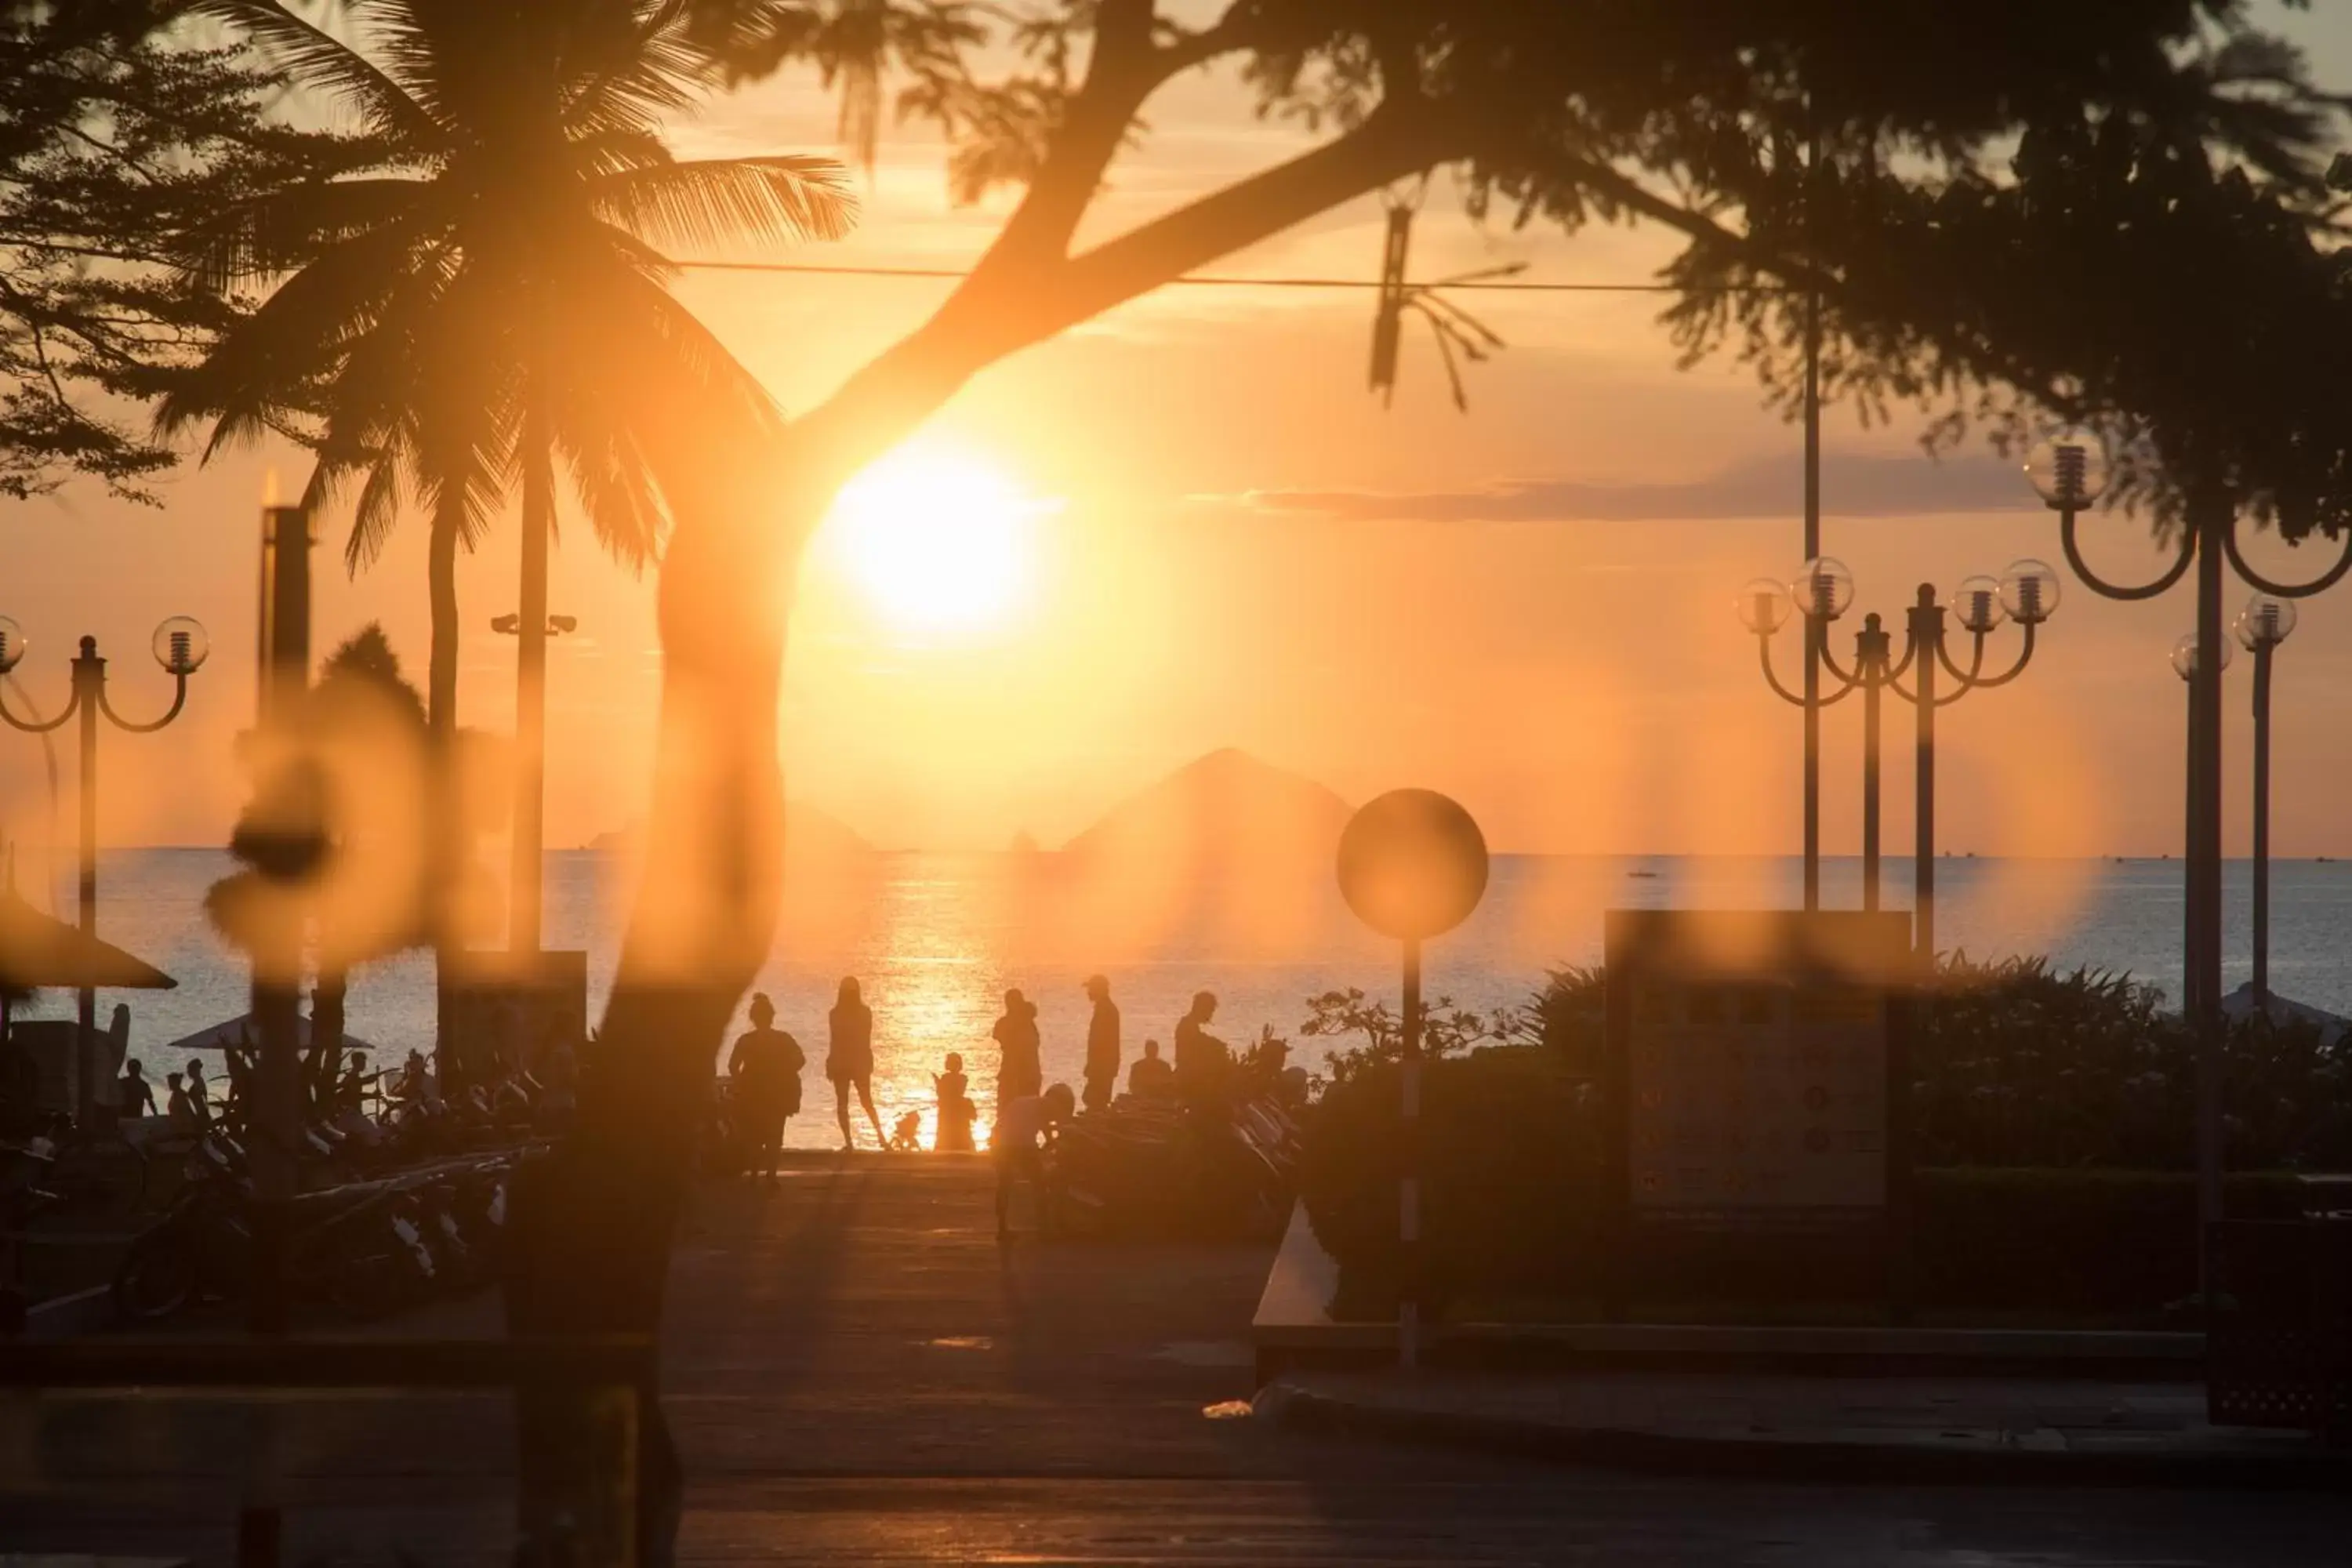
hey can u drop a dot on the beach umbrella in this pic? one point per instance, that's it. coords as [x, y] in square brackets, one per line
[38, 949]
[244, 1032]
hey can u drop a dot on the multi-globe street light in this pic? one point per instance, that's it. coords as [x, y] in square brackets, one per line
[1822, 593]
[2070, 472]
[181, 646]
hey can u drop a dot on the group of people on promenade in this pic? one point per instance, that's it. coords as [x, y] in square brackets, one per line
[765, 1066]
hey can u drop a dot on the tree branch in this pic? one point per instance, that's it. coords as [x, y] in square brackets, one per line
[998, 312]
[1797, 274]
[1124, 71]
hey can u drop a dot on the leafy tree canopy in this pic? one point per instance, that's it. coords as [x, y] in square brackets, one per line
[1878, 156]
[114, 133]
[475, 285]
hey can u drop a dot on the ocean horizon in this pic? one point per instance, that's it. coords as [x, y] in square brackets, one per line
[936, 938]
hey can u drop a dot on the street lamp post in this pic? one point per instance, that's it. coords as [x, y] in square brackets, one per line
[2027, 595]
[181, 648]
[2202, 677]
[528, 842]
[2069, 470]
[2265, 622]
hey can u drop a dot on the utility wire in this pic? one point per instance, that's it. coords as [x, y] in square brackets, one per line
[1194, 280]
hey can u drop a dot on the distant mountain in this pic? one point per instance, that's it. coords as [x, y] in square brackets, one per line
[811, 834]
[1223, 814]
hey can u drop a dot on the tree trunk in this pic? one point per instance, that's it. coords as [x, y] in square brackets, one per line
[594, 1220]
[445, 843]
[527, 848]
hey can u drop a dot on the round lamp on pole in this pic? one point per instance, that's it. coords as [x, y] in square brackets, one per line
[1822, 589]
[181, 646]
[2267, 621]
[1764, 606]
[2069, 470]
[2029, 592]
[2185, 656]
[1413, 865]
[1976, 605]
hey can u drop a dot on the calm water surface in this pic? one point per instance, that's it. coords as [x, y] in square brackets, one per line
[936, 940]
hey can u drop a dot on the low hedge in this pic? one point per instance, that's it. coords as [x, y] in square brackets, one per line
[1511, 1187]
[1506, 1174]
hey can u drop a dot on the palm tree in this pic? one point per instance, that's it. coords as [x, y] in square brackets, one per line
[474, 291]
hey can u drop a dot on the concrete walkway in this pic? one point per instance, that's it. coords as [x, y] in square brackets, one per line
[858, 1375]
[1886, 1428]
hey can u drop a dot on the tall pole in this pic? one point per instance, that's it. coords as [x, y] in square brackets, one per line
[2188, 872]
[278, 1119]
[1870, 658]
[88, 685]
[2263, 647]
[530, 710]
[1409, 1181]
[1815, 630]
[2214, 517]
[1927, 641]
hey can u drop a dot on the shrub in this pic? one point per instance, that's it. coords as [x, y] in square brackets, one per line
[1445, 1031]
[2017, 1064]
[1569, 1016]
[1507, 1171]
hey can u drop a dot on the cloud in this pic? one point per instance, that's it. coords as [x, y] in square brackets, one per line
[1853, 485]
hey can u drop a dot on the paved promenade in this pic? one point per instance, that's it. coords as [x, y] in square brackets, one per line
[858, 1375]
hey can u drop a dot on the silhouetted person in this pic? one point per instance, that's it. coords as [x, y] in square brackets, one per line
[955, 1111]
[1203, 1062]
[766, 1066]
[133, 1095]
[200, 1094]
[849, 1060]
[1022, 1127]
[180, 1109]
[350, 1095]
[1151, 1077]
[1020, 1074]
[1102, 1045]
[412, 1073]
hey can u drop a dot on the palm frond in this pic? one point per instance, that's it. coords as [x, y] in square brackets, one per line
[616, 150]
[373, 517]
[633, 72]
[274, 358]
[717, 201]
[282, 230]
[415, 39]
[609, 476]
[315, 57]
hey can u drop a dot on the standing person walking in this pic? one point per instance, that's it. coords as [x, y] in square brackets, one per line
[849, 1060]
[1203, 1062]
[1102, 1046]
[1019, 1072]
[766, 1066]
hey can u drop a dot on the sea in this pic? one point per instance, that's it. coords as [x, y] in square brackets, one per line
[937, 939]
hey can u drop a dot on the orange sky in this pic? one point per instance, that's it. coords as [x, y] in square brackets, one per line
[1243, 548]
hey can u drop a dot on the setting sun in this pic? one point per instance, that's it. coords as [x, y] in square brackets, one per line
[939, 539]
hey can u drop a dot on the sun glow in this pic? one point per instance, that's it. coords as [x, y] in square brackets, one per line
[940, 540]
